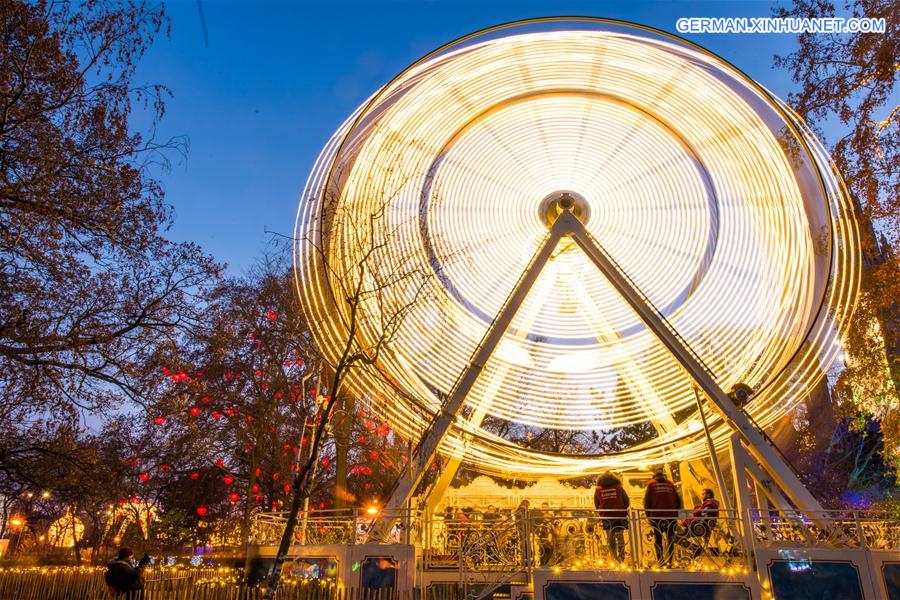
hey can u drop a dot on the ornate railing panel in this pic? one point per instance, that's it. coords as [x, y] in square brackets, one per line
[338, 526]
[824, 529]
[589, 539]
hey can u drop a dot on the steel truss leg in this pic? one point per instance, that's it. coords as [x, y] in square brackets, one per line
[569, 225]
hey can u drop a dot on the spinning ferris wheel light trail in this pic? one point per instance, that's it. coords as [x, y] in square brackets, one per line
[669, 223]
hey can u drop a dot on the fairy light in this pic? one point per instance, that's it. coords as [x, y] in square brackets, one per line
[748, 249]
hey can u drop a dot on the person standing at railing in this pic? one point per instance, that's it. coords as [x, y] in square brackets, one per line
[662, 503]
[612, 502]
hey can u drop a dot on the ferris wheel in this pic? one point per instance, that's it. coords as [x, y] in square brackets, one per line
[615, 227]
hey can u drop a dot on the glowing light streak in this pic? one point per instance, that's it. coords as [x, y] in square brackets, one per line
[717, 202]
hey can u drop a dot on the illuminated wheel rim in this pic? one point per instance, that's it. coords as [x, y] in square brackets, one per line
[721, 207]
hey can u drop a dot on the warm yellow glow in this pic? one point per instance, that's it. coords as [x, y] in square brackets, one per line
[722, 208]
[66, 530]
[372, 510]
[16, 522]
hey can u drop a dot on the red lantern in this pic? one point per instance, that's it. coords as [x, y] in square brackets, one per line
[145, 477]
[217, 415]
[287, 488]
[273, 315]
[220, 462]
[275, 476]
[228, 479]
[255, 488]
[194, 410]
[234, 497]
[165, 467]
[312, 392]
[195, 475]
[201, 510]
[326, 462]
[160, 420]
[205, 399]
[362, 439]
[373, 455]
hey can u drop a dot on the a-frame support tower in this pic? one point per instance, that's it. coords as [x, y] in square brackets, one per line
[567, 224]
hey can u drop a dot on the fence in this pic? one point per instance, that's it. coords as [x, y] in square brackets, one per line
[86, 583]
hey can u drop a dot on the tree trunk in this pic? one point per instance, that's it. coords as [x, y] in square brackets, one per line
[341, 433]
[248, 506]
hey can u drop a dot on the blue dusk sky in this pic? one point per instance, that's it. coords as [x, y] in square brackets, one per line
[260, 94]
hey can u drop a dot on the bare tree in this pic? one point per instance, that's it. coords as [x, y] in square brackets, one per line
[89, 284]
[368, 314]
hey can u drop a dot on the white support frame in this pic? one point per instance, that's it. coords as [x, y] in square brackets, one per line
[567, 224]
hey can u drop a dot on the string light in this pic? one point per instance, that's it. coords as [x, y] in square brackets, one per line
[711, 195]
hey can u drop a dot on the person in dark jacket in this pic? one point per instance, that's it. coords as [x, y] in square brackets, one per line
[662, 503]
[704, 515]
[612, 502]
[126, 580]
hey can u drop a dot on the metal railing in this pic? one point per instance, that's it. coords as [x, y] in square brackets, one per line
[594, 539]
[581, 538]
[335, 526]
[824, 529]
[474, 544]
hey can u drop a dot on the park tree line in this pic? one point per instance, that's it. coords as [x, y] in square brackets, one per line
[163, 401]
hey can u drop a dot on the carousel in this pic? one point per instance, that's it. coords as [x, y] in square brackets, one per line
[589, 230]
